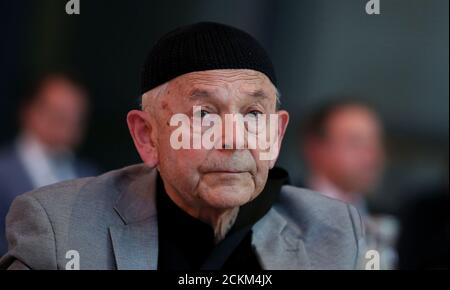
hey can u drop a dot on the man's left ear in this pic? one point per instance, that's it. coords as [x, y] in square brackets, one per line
[283, 120]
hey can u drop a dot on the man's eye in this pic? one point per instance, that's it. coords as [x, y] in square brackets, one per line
[203, 113]
[254, 113]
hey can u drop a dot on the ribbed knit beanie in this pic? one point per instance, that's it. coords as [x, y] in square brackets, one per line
[203, 46]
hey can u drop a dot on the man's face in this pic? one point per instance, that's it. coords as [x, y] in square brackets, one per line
[217, 178]
[57, 116]
[352, 150]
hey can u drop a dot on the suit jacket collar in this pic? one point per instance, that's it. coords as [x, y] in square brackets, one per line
[135, 242]
[278, 243]
[135, 245]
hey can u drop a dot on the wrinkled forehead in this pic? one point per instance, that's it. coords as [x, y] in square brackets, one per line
[224, 82]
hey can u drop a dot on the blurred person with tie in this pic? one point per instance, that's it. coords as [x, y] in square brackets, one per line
[52, 117]
[345, 156]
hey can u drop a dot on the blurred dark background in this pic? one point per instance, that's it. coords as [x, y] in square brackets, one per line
[398, 61]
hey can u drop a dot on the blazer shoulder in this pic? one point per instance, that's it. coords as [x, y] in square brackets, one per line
[102, 190]
[310, 208]
[58, 193]
[332, 230]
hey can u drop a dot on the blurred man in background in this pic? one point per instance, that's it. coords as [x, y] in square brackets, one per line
[52, 118]
[343, 145]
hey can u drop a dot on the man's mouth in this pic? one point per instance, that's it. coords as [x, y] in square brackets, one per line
[227, 171]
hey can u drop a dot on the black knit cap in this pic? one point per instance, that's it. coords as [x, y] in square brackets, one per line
[203, 46]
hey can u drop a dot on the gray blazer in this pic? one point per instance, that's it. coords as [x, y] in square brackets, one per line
[111, 221]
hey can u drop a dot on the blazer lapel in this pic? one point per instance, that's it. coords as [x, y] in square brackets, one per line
[135, 242]
[136, 245]
[278, 245]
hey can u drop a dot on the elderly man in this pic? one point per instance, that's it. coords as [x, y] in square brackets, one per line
[220, 207]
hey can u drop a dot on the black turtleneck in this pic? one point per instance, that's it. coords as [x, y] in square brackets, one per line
[186, 243]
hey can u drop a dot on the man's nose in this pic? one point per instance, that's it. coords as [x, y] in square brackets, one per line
[233, 132]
